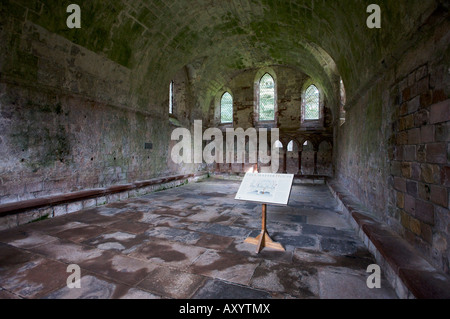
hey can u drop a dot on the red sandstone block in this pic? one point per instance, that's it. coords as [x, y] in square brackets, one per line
[414, 104]
[406, 94]
[425, 283]
[409, 121]
[427, 134]
[424, 191]
[410, 204]
[403, 110]
[414, 136]
[398, 152]
[415, 171]
[398, 253]
[406, 169]
[440, 112]
[445, 176]
[409, 153]
[426, 232]
[442, 132]
[414, 226]
[411, 188]
[421, 118]
[423, 86]
[400, 184]
[430, 173]
[400, 200]
[402, 138]
[376, 231]
[438, 96]
[362, 219]
[439, 195]
[437, 153]
[424, 211]
[426, 99]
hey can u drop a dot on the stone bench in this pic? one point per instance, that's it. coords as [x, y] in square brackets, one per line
[410, 274]
[17, 213]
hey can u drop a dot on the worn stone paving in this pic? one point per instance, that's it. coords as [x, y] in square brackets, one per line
[188, 242]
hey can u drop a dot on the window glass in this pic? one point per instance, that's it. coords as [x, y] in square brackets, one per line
[226, 108]
[267, 98]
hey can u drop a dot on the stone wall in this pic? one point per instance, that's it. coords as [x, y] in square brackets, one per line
[70, 119]
[394, 152]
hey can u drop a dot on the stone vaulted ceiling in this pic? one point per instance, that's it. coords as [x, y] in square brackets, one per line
[216, 39]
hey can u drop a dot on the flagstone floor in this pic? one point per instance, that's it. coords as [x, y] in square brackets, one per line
[188, 242]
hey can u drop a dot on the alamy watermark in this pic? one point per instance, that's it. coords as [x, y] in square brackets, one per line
[374, 19]
[74, 280]
[234, 148]
[74, 19]
[374, 280]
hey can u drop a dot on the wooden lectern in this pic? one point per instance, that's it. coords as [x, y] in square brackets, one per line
[263, 239]
[265, 189]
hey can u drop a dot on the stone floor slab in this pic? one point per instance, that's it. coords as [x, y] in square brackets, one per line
[215, 241]
[67, 251]
[123, 242]
[82, 233]
[226, 266]
[172, 254]
[130, 226]
[25, 238]
[174, 234]
[123, 269]
[218, 289]
[300, 282]
[341, 283]
[96, 287]
[171, 283]
[35, 278]
[189, 242]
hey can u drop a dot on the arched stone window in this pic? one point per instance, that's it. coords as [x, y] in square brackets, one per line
[311, 103]
[266, 107]
[226, 108]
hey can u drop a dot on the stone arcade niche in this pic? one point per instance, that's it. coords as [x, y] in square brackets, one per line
[284, 98]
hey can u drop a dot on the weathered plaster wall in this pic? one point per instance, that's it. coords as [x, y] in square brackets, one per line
[70, 118]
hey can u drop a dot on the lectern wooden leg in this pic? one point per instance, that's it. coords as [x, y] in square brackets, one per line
[263, 239]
